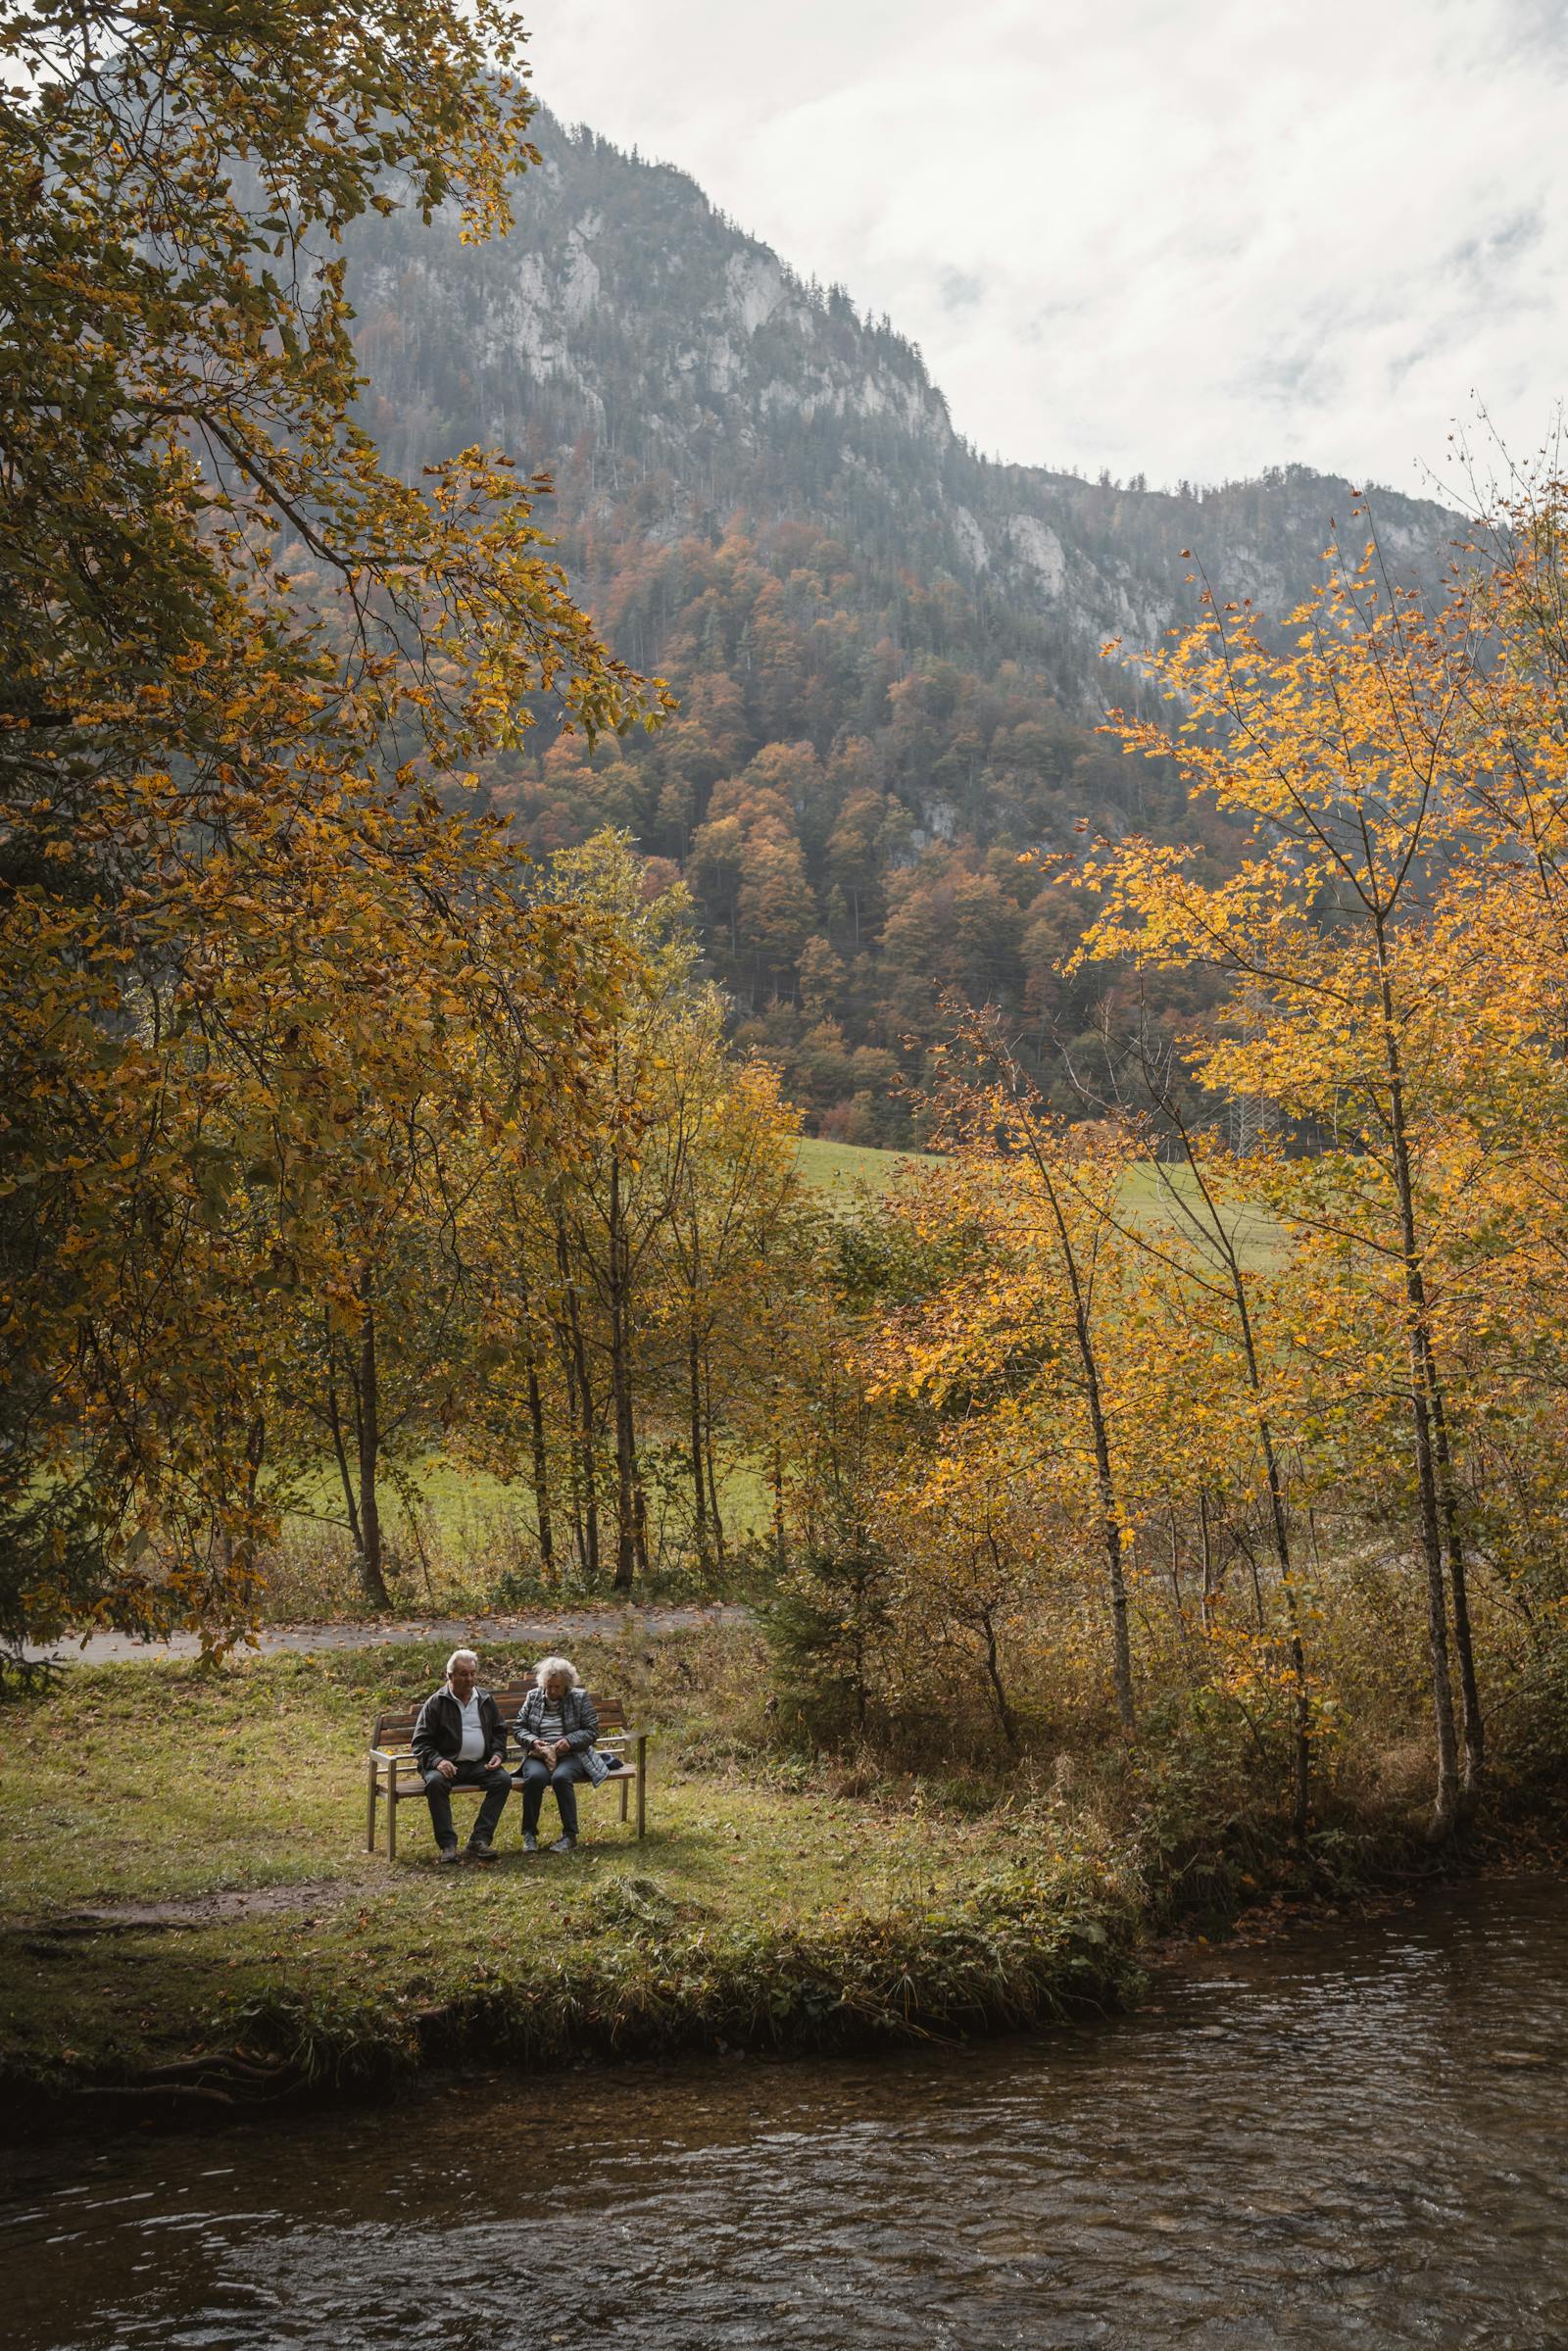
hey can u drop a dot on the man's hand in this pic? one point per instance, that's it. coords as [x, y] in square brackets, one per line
[494, 1764]
[448, 1770]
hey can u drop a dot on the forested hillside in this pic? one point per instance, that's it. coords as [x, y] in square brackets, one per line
[888, 650]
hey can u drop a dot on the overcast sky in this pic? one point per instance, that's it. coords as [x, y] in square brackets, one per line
[1184, 237]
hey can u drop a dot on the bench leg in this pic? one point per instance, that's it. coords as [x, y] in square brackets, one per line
[625, 1792]
[642, 1787]
[391, 1812]
[369, 1810]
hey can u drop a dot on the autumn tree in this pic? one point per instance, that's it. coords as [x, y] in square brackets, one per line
[1362, 1004]
[237, 652]
[737, 1227]
[1028, 1323]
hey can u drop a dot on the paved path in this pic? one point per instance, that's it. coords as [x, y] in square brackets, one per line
[275, 1640]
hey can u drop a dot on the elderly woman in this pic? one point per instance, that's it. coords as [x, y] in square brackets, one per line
[557, 1727]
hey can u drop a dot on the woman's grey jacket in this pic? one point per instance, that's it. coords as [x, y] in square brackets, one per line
[580, 1724]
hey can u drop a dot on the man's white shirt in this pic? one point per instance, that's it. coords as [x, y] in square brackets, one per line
[472, 1748]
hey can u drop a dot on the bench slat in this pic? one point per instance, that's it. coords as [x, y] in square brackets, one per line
[612, 1717]
[508, 1703]
[410, 1786]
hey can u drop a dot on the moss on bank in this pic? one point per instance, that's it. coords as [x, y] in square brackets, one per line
[775, 1903]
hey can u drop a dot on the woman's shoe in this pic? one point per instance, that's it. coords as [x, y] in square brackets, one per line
[530, 1843]
[563, 1844]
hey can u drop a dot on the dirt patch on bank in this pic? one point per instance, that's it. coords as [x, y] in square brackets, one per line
[191, 1910]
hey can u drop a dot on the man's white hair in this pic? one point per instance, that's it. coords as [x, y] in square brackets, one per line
[461, 1657]
[557, 1665]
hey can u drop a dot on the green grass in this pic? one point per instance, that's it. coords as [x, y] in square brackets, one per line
[841, 1168]
[775, 1903]
[452, 1494]
[1149, 1201]
[158, 1784]
[470, 1543]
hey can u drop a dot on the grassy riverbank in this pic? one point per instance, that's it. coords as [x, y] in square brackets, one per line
[185, 1877]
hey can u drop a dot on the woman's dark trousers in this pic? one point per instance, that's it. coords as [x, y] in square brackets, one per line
[536, 1777]
[497, 1786]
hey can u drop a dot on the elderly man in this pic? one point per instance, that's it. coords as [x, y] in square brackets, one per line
[460, 1741]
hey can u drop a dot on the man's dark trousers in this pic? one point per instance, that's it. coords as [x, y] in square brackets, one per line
[437, 1787]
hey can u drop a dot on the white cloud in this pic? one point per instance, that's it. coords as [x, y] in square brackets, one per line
[1188, 239]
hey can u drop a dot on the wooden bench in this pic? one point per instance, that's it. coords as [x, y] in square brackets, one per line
[392, 1775]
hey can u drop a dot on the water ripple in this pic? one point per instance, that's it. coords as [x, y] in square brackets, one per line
[1356, 2141]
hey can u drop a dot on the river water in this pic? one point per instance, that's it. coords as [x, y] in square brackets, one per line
[1355, 2137]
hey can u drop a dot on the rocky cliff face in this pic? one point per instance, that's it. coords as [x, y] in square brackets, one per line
[671, 370]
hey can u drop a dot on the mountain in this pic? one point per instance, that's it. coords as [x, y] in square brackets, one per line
[633, 338]
[887, 648]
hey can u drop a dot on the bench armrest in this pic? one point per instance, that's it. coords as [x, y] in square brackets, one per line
[391, 1755]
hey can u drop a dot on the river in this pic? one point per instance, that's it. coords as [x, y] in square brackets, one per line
[1358, 2136]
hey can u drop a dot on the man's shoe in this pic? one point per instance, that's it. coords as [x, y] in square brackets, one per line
[447, 1853]
[481, 1850]
[563, 1844]
[530, 1843]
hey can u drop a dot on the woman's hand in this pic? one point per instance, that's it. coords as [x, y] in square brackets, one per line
[563, 1749]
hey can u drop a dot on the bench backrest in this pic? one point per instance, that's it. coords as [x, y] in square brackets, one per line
[396, 1727]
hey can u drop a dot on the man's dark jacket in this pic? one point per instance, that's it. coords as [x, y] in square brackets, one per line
[438, 1731]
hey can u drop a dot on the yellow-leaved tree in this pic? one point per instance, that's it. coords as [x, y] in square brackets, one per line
[241, 662]
[1373, 1007]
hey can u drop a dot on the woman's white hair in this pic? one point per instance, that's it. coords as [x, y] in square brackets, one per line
[557, 1665]
[461, 1657]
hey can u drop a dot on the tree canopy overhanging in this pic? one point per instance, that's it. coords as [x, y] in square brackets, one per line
[238, 659]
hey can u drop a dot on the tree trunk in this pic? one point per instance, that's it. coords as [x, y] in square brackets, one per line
[777, 1482]
[585, 1413]
[1279, 1528]
[694, 1392]
[1109, 1521]
[1301, 1746]
[1445, 1809]
[1473, 1772]
[579, 1537]
[1110, 1527]
[1004, 1713]
[715, 1516]
[988, 1625]
[1176, 1569]
[340, 1451]
[620, 1394]
[370, 1432]
[541, 1474]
